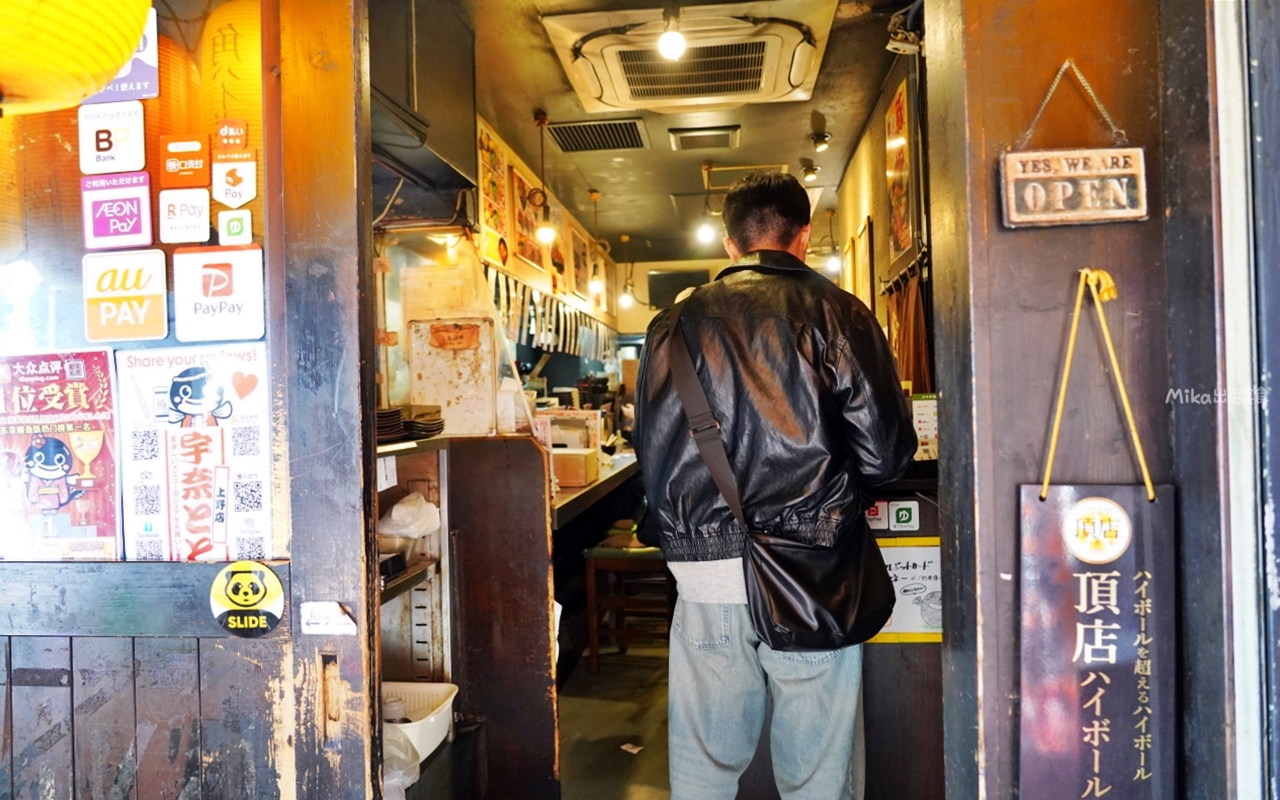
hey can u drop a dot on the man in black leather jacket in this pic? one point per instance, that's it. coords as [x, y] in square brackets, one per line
[802, 382]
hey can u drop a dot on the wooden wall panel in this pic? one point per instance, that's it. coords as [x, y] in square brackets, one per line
[498, 492]
[41, 680]
[6, 724]
[239, 684]
[103, 718]
[167, 690]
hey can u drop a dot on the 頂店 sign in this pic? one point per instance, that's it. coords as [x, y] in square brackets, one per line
[1073, 187]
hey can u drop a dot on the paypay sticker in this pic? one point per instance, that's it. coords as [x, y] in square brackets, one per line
[247, 598]
[125, 296]
[112, 138]
[218, 294]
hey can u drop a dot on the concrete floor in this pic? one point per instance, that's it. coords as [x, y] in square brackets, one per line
[625, 704]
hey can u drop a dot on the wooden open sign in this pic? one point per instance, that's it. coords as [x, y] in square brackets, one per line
[455, 337]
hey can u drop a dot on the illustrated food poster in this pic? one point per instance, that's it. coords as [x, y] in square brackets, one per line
[58, 485]
[195, 430]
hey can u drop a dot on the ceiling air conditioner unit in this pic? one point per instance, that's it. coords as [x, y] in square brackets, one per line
[762, 52]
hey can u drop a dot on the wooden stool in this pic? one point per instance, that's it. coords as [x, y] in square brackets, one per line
[626, 563]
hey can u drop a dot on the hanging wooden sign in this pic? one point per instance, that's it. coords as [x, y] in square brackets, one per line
[1098, 646]
[1073, 187]
[1084, 186]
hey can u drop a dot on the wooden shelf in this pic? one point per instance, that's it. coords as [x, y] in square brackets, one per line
[413, 446]
[417, 572]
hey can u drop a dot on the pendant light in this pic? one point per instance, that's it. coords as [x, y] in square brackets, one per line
[596, 286]
[671, 43]
[707, 229]
[546, 232]
[833, 258]
[55, 53]
[628, 297]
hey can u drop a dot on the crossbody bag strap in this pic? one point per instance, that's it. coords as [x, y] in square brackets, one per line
[703, 425]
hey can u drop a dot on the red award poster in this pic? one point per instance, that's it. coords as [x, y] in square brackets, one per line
[58, 474]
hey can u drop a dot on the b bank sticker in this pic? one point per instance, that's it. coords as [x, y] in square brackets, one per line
[247, 599]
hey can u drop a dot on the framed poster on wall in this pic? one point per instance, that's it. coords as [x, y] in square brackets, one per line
[493, 198]
[525, 216]
[581, 265]
[561, 277]
[864, 265]
[898, 172]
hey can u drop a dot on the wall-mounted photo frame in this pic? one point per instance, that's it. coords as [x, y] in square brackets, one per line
[525, 218]
[494, 191]
[863, 247]
[581, 265]
[902, 167]
[899, 172]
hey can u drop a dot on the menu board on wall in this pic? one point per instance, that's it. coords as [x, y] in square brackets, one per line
[58, 485]
[195, 425]
[915, 566]
[494, 246]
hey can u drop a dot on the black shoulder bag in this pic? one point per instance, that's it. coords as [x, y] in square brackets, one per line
[801, 596]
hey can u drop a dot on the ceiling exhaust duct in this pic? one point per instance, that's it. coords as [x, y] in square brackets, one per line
[611, 134]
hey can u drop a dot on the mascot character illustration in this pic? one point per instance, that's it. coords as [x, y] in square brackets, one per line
[196, 401]
[49, 479]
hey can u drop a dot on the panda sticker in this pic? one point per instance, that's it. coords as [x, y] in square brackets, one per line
[49, 480]
[196, 400]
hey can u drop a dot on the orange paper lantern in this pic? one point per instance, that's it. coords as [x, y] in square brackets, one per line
[55, 53]
[12, 239]
[231, 67]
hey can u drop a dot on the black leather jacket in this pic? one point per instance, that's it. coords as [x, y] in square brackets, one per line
[802, 381]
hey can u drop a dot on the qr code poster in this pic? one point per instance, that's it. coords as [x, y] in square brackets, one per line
[58, 475]
[195, 427]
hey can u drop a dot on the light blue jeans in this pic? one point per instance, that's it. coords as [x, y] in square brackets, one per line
[720, 673]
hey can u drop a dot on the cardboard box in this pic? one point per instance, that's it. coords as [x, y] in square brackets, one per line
[630, 368]
[575, 467]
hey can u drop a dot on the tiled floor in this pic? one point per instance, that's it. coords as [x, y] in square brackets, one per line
[625, 704]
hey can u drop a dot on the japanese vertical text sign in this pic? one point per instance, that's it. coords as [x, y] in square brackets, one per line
[195, 429]
[58, 458]
[1098, 650]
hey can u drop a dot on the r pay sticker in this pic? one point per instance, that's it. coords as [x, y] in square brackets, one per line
[184, 216]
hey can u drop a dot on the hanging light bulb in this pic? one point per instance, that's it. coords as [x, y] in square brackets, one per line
[628, 298]
[833, 261]
[671, 43]
[596, 286]
[706, 233]
[546, 233]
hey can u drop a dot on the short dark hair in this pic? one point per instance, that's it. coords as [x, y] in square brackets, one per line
[763, 208]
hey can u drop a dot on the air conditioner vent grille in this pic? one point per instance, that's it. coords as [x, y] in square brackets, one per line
[723, 69]
[579, 137]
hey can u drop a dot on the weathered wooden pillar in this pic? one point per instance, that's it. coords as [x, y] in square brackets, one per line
[1003, 303]
[325, 225]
